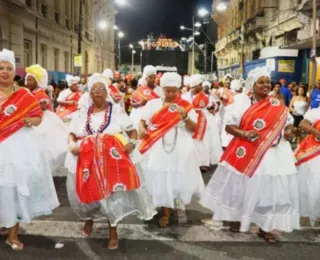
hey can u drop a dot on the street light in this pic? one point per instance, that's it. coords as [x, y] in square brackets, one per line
[183, 39]
[197, 24]
[103, 25]
[132, 60]
[116, 28]
[131, 46]
[221, 7]
[120, 35]
[203, 12]
[182, 27]
[196, 33]
[121, 2]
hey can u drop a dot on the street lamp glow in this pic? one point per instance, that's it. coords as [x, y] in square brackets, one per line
[197, 24]
[203, 12]
[182, 27]
[103, 25]
[121, 2]
[120, 34]
[115, 28]
[141, 42]
[183, 38]
[131, 46]
[196, 33]
[221, 7]
[133, 52]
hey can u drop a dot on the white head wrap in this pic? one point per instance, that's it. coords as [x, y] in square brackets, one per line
[108, 73]
[254, 75]
[39, 74]
[6, 55]
[187, 81]
[97, 78]
[72, 80]
[196, 80]
[206, 84]
[149, 70]
[142, 81]
[170, 79]
[236, 85]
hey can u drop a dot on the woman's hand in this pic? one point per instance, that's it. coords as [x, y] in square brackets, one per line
[182, 112]
[32, 121]
[128, 148]
[251, 134]
[74, 148]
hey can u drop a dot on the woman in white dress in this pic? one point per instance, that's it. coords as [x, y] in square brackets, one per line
[171, 164]
[308, 165]
[26, 184]
[52, 130]
[256, 181]
[96, 145]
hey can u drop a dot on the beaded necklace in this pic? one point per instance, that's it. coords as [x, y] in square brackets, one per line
[105, 123]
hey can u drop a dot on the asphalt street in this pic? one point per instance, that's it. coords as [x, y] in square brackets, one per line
[59, 237]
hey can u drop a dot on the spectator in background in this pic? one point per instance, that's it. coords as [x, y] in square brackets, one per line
[285, 92]
[293, 88]
[315, 96]
[16, 79]
[21, 84]
[275, 93]
[62, 85]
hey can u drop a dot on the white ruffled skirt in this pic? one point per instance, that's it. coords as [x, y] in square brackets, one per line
[309, 189]
[54, 134]
[270, 199]
[116, 207]
[175, 175]
[26, 184]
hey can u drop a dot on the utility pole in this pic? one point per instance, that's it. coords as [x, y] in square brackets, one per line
[193, 45]
[212, 53]
[205, 58]
[119, 53]
[80, 27]
[314, 43]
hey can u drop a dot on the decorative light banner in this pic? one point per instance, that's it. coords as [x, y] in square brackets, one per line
[160, 44]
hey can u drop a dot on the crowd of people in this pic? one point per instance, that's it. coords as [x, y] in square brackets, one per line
[140, 147]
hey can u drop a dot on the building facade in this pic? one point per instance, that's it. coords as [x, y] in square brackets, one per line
[255, 33]
[46, 32]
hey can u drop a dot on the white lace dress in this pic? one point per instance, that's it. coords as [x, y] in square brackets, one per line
[26, 185]
[172, 175]
[120, 204]
[269, 198]
[309, 179]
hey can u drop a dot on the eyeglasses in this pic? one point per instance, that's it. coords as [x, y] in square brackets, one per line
[98, 90]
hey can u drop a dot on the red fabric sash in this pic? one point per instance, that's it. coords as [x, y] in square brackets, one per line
[115, 93]
[309, 148]
[201, 101]
[143, 93]
[162, 121]
[104, 168]
[19, 105]
[64, 111]
[42, 96]
[268, 117]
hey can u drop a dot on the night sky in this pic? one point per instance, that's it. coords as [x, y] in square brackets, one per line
[140, 17]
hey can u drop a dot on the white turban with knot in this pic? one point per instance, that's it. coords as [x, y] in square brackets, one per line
[149, 70]
[254, 75]
[195, 80]
[142, 81]
[206, 84]
[39, 74]
[236, 85]
[187, 81]
[6, 55]
[97, 78]
[108, 73]
[170, 79]
[72, 80]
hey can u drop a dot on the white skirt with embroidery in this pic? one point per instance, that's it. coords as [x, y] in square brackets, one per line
[26, 185]
[269, 199]
[54, 134]
[173, 175]
[115, 208]
[309, 189]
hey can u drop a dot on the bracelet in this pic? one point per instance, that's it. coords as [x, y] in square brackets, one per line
[185, 119]
[133, 142]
